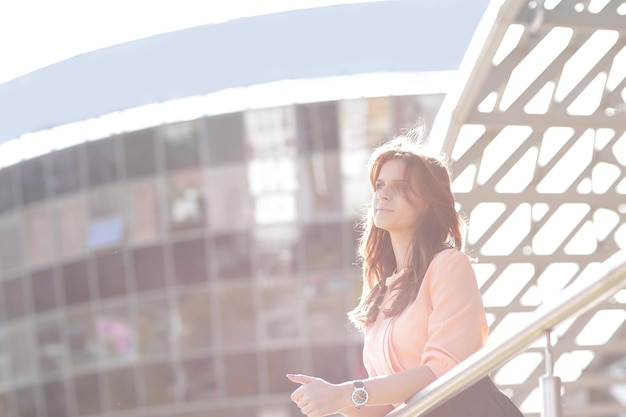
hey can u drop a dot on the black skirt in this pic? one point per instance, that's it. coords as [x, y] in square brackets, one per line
[483, 399]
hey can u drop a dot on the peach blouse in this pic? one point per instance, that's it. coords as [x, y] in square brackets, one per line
[444, 325]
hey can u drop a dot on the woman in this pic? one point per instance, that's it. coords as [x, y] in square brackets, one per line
[420, 311]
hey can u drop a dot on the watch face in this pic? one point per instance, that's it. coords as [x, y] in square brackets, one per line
[359, 396]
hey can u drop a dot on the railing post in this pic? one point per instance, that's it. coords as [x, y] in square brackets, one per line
[550, 385]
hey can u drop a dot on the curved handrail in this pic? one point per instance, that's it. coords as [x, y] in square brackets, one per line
[574, 300]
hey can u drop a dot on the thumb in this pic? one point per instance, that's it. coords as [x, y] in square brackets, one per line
[300, 379]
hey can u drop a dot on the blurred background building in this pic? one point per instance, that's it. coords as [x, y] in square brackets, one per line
[177, 213]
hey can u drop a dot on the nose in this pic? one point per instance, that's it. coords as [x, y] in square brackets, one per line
[383, 193]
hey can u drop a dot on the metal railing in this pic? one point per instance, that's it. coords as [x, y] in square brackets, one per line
[574, 300]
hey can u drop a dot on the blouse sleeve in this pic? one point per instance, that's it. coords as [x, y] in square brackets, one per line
[457, 325]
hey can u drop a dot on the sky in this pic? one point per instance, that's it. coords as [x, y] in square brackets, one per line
[38, 33]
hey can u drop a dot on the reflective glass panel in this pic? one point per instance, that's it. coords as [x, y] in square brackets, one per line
[317, 127]
[159, 382]
[238, 323]
[230, 205]
[41, 237]
[241, 374]
[72, 218]
[154, 327]
[22, 353]
[14, 297]
[33, 180]
[194, 312]
[190, 261]
[232, 255]
[7, 184]
[145, 224]
[149, 268]
[53, 354]
[11, 240]
[323, 245]
[121, 388]
[76, 282]
[65, 171]
[81, 336]
[320, 190]
[270, 132]
[186, 199]
[224, 138]
[279, 363]
[87, 394]
[180, 145]
[139, 153]
[200, 379]
[102, 161]
[111, 274]
[54, 394]
[44, 289]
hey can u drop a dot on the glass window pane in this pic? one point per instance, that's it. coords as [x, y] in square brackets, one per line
[40, 235]
[323, 246]
[102, 161]
[279, 363]
[115, 335]
[144, 211]
[273, 184]
[11, 242]
[320, 190]
[154, 332]
[24, 403]
[270, 132]
[65, 171]
[44, 287]
[241, 374]
[14, 297]
[52, 351]
[54, 394]
[7, 184]
[87, 394]
[180, 145]
[355, 189]
[107, 220]
[186, 200]
[72, 225]
[224, 137]
[76, 282]
[139, 153]
[200, 380]
[121, 388]
[407, 110]
[365, 122]
[275, 251]
[149, 268]
[190, 261]
[81, 337]
[111, 275]
[159, 383]
[194, 310]
[317, 127]
[234, 208]
[280, 315]
[331, 363]
[33, 180]
[22, 353]
[237, 316]
[232, 255]
[326, 296]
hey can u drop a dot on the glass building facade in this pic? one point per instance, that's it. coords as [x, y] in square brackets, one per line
[184, 269]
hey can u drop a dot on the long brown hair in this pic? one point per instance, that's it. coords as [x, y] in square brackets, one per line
[441, 228]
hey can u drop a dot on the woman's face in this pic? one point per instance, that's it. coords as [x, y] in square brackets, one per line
[397, 208]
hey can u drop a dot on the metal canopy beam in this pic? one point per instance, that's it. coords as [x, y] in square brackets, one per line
[536, 132]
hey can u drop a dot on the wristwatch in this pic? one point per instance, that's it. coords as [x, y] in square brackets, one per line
[359, 395]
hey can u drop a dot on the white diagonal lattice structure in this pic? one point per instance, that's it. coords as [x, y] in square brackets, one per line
[537, 139]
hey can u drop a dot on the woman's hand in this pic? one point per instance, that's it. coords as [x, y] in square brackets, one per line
[318, 398]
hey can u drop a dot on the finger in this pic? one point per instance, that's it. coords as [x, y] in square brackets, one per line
[300, 379]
